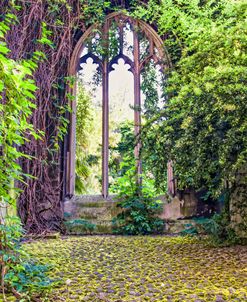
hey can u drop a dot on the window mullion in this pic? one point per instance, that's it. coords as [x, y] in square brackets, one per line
[105, 116]
[137, 98]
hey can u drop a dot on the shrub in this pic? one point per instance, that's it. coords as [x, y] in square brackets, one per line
[20, 275]
[79, 226]
[218, 228]
[138, 203]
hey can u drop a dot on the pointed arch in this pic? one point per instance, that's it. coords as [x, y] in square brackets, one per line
[156, 52]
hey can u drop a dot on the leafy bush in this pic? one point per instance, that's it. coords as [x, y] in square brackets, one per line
[218, 229]
[29, 280]
[202, 127]
[189, 230]
[80, 225]
[20, 275]
[138, 203]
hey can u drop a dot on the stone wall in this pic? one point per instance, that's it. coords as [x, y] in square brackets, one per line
[100, 212]
[92, 208]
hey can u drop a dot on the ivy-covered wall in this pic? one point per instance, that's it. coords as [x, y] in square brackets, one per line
[59, 24]
[203, 125]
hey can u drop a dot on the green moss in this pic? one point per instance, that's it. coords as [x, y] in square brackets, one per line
[79, 226]
[88, 215]
[103, 229]
[162, 269]
[92, 204]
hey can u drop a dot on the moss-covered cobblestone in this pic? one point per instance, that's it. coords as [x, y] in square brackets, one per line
[174, 269]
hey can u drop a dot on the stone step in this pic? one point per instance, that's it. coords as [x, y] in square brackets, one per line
[95, 227]
[105, 227]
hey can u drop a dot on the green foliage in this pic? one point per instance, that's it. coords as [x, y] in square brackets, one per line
[189, 230]
[10, 234]
[80, 225]
[84, 117]
[149, 86]
[126, 144]
[17, 94]
[21, 275]
[203, 126]
[123, 148]
[88, 135]
[220, 231]
[83, 114]
[218, 228]
[30, 280]
[138, 203]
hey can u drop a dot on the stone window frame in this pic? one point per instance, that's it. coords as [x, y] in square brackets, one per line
[157, 53]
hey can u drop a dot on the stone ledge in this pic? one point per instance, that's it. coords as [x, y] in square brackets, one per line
[99, 211]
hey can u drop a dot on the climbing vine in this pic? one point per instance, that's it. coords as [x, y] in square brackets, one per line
[203, 125]
[61, 23]
[18, 274]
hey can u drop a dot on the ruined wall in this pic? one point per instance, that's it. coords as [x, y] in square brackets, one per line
[63, 23]
[100, 212]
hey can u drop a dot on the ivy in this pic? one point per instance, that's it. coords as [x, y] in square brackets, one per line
[51, 31]
[198, 126]
[17, 102]
[202, 127]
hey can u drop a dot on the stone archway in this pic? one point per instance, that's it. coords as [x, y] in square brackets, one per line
[156, 52]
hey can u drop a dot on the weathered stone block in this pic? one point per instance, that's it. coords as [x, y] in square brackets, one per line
[101, 211]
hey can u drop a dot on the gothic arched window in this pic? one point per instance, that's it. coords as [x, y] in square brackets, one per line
[138, 45]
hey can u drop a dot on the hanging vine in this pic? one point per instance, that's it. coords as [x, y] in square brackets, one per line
[208, 72]
[62, 23]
